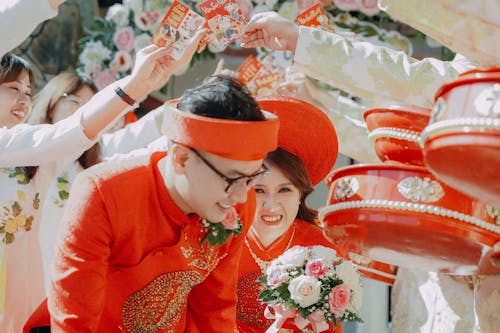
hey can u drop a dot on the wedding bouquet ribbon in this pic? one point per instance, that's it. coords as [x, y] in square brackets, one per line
[280, 316]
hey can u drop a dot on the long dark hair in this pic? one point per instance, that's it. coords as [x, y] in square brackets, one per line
[293, 169]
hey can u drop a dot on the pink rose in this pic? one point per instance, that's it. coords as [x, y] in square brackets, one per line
[124, 39]
[369, 7]
[346, 5]
[339, 298]
[316, 268]
[305, 4]
[104, 79]
[231, 221]
[246, 8]
[275, 277]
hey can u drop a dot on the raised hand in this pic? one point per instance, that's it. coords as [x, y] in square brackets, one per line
[272, 31]
[154, 65]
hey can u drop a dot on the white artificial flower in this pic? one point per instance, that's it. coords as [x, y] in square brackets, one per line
[135, 5]
[348, 273]
[141, 41]
[289, 10]
[94, 53]
[260, 9]
[305, 290]
[271, 3]
[356, 298]
[327, 254]
[118, 14]
[294, 257]
[259, 2]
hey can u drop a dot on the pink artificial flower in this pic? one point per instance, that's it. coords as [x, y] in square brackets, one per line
[346, 5]
[92, 69]
[305, 4]
[275, 277]
[325, 3]
[146, 21]
[339, 298]
[316, 268]
[369, 7]
[246, 8]
[124, 39]
[231, 221]
[121, 62]
[104, 78]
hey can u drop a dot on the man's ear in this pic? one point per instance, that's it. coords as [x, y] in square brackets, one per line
[180, 156]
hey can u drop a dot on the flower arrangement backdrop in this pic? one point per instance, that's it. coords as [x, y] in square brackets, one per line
[107, 50]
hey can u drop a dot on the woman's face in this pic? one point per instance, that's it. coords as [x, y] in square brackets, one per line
[69, 103]
[277, 201]
[15, 100]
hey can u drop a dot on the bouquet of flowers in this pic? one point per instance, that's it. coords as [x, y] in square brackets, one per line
[306, 288]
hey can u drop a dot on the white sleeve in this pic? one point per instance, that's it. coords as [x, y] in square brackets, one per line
[133, 136]
[372, 72]
[25, 145]
[160, 144]
[347, 117]
[19, 18]
[469, 27]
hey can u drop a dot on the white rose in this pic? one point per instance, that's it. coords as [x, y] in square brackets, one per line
[294, 257]
[305, 290]
[327, 254]
[289, 10]
[260, 9]
[348, 273]
[118, 14]
[135, 5]
[356, 298]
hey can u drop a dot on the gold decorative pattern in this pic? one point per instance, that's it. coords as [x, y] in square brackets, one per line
[203, 256]
[494, 213]
[419, 189]
[249, 308]
[160, 304]
[345, 188]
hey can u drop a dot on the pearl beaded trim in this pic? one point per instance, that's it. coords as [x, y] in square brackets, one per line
[457, 124]
[412, 207]
[396, 133]
[375, 271]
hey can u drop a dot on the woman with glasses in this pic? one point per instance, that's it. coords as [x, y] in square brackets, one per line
[59, 99]
[282, 218]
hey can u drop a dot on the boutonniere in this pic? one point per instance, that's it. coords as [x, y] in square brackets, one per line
[219, 232]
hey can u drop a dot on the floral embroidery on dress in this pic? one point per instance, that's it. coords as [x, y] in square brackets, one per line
[62, 185]
[13, 220]
[20, 174]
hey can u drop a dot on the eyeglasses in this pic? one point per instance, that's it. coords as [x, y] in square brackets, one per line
[73, 98]
[234, 183]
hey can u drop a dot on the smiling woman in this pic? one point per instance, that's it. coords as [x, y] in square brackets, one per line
[282, 218]
[16, 82]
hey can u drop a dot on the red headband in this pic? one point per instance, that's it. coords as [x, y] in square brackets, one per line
[232, 139]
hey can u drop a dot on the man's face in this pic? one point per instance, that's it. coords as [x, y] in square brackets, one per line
[213, 184]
